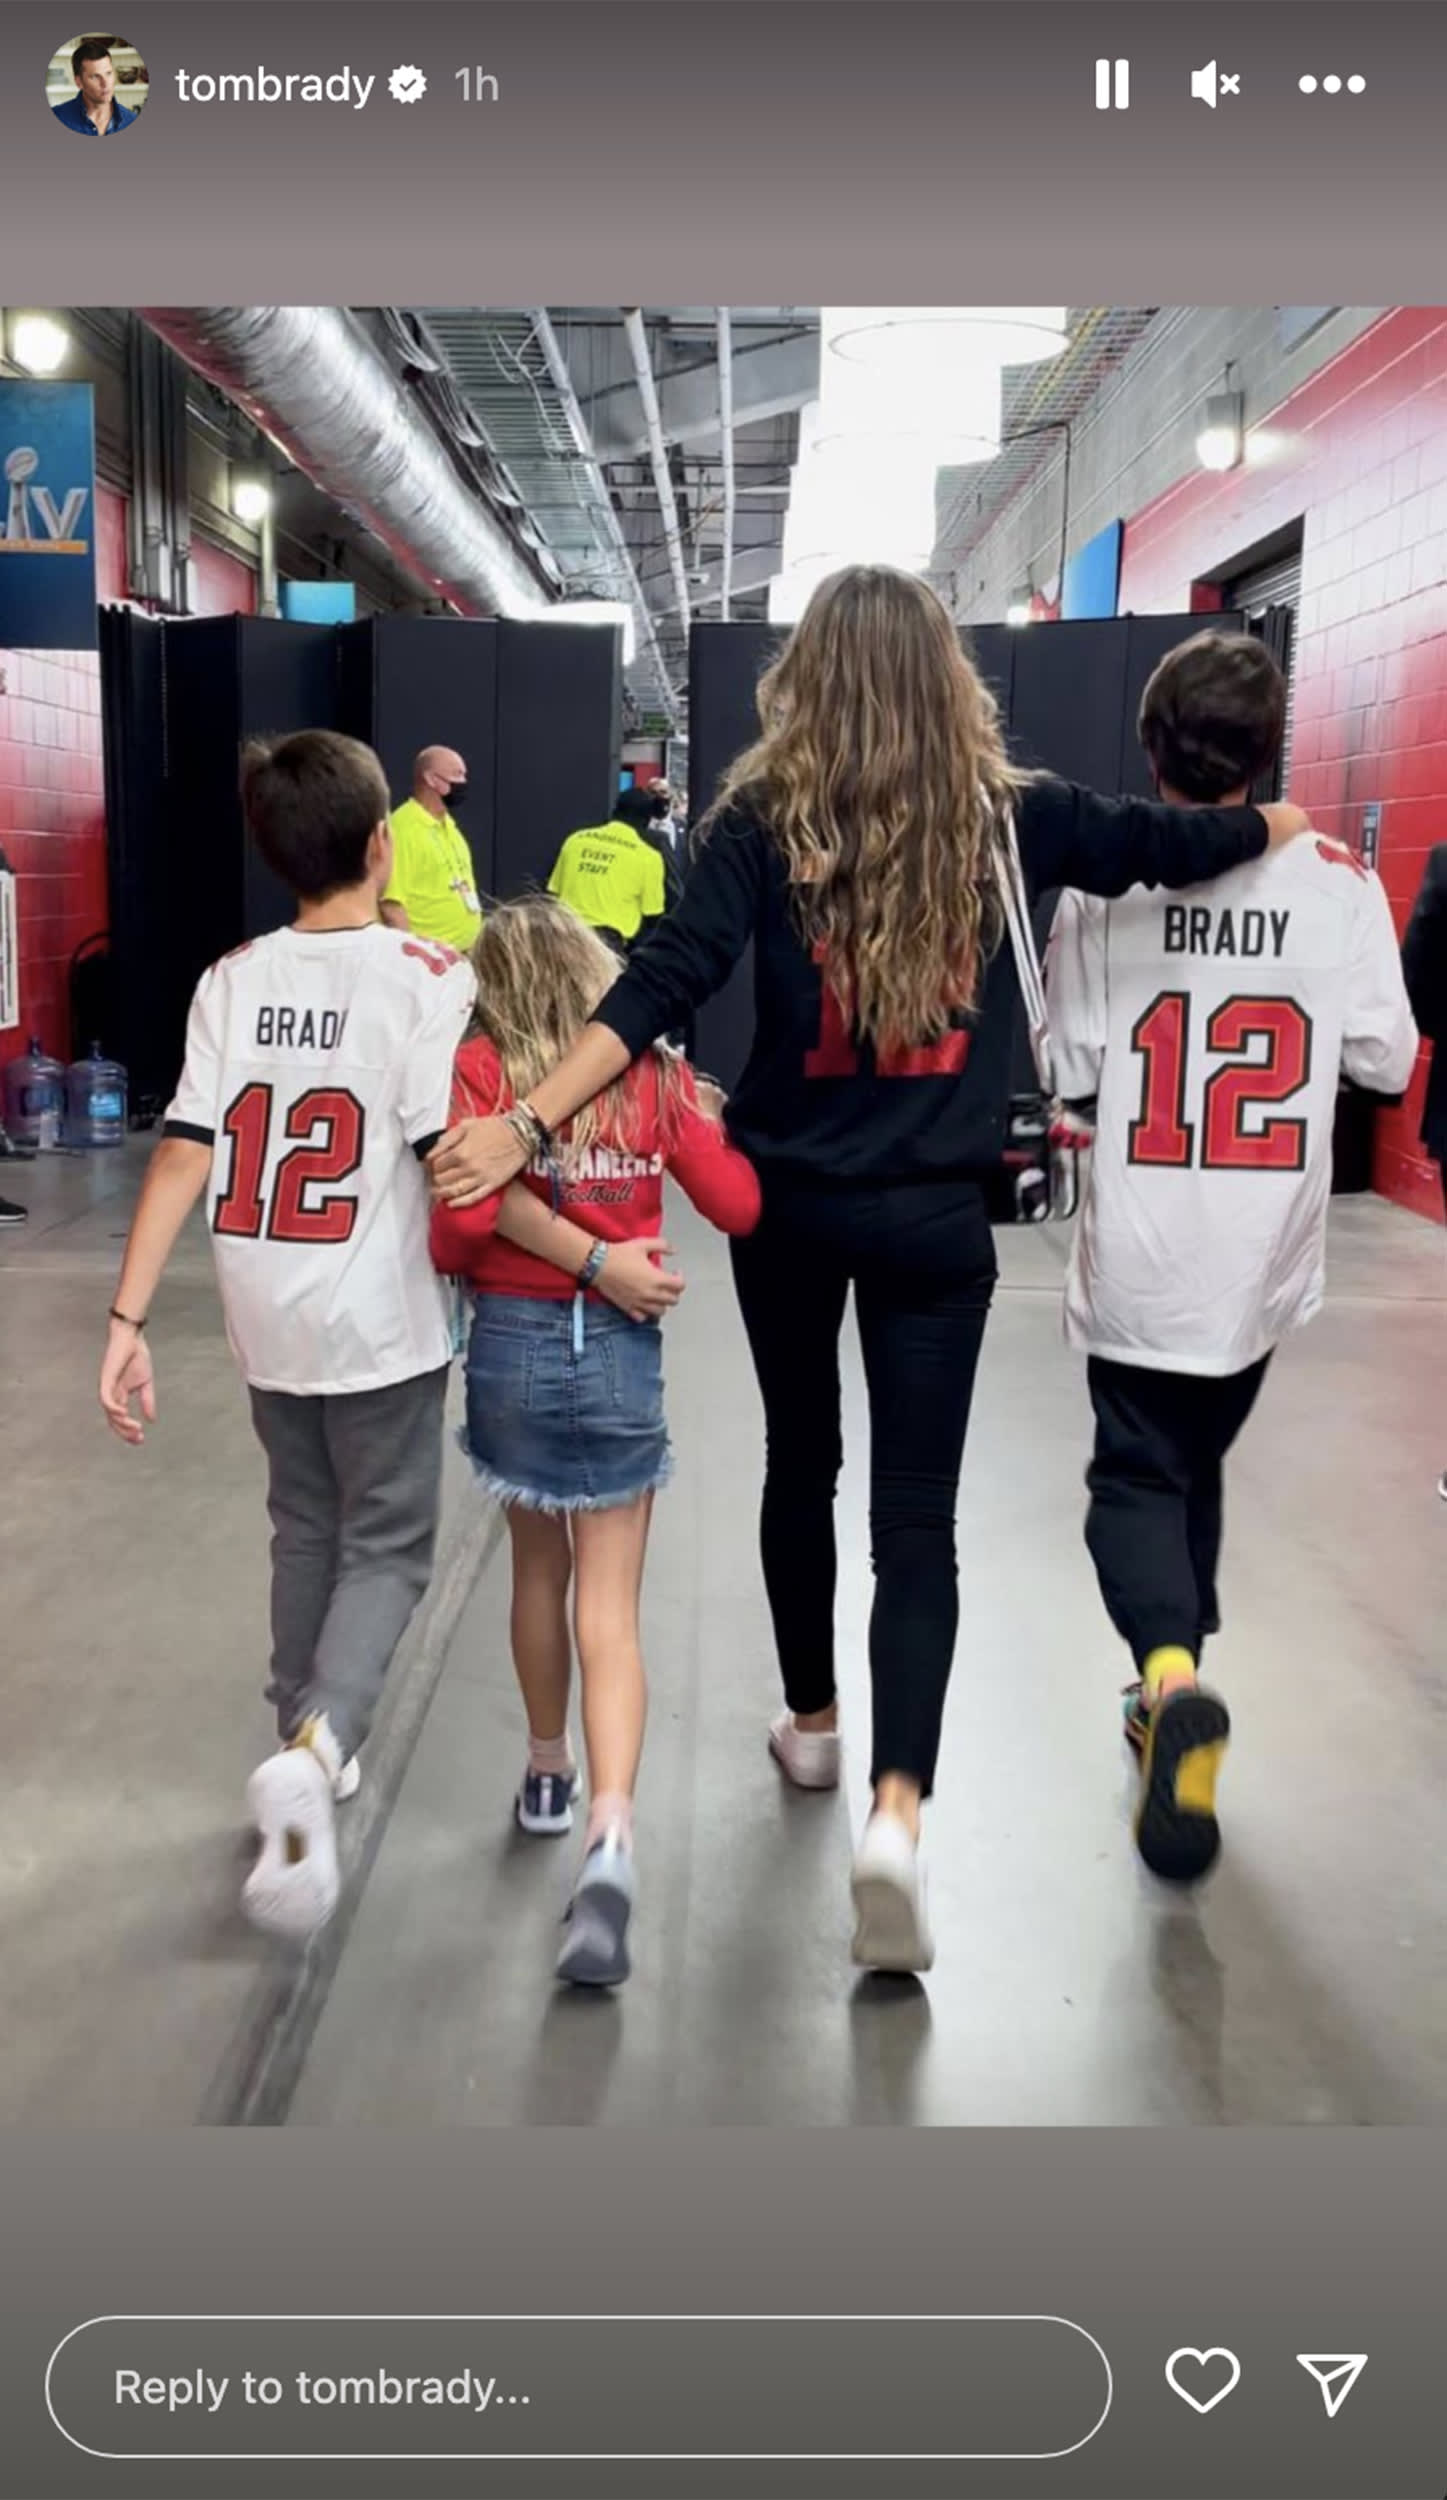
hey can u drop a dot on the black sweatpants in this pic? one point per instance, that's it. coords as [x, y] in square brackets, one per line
[1154, 1522]
[921, 1260]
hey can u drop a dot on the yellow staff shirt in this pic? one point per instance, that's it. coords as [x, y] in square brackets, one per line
[610, 877]
[433, 876]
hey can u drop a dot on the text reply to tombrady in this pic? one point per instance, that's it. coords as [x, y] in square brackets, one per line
[198, 2391]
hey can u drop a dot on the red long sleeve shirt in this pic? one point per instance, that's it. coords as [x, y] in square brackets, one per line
[614, 1193]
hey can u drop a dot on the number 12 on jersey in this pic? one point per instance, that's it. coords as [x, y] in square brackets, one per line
[1267, 1043]
[330, 1126]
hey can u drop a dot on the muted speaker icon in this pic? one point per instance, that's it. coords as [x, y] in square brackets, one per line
[1209, 83]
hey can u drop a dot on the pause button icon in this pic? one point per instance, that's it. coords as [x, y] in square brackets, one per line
[1112, 86]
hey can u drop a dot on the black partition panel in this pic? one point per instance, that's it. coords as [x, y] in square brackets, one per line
[132, 663]
[1149, 638]
[1069, 685]
[725, 663]
[228, 679]
[408, 682]
[993, 649]
[536, 710]
[288, 681]
[559, 740]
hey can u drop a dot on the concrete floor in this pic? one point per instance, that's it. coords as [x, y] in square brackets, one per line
[1306, 1983]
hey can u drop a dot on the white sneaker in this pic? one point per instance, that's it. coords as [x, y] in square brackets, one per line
[293, 1888]
[891, 1923]
[347, 1781]
[808, 1756]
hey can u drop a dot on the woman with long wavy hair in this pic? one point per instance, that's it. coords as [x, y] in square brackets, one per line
[855, 845]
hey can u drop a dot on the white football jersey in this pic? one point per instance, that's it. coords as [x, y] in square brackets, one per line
[318, 1067]
[1214, 1025]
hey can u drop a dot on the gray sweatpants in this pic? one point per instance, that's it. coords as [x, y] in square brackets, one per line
[353, 1503]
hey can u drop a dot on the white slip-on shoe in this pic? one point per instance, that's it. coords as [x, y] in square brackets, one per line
[594, 1951]
[891, 1922]
[347, 1781]
[293, 1888]
[809, 1757]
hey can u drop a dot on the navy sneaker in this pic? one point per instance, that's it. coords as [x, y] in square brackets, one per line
[544, 1803]
[10, 1213]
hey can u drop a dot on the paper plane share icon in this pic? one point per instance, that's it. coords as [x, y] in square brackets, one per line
[1336, 2374]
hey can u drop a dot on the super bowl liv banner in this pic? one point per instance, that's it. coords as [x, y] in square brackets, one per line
[47, 516]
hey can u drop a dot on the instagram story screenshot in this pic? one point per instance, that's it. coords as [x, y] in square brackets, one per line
[723, 1285]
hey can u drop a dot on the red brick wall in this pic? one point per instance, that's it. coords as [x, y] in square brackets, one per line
[52, 804]
[1359, 456]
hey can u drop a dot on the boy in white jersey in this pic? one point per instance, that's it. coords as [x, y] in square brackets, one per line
[317, 1077]
[1210, 1030]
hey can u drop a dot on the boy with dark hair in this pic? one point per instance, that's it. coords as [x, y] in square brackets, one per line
[1212, 1026]
[317, 1078]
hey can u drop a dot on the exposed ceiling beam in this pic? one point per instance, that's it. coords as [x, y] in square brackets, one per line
[637, 337]
[769, 381]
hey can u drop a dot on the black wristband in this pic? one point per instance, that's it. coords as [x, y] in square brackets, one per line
[545, 1134]
[126, 1321]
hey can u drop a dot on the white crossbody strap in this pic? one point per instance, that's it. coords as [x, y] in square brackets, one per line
[1011, 878]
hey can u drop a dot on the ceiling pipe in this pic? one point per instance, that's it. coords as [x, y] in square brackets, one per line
[562, 382]
[637, 338]
[308, 377]
[726, 426]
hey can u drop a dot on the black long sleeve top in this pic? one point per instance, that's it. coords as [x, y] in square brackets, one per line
[816, 1102]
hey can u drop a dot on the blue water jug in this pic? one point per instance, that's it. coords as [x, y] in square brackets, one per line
[95, 1101]
[35, 1098]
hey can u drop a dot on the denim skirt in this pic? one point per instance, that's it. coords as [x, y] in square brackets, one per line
[564, 1404]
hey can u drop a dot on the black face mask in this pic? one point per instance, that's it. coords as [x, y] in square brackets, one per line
[454, 795]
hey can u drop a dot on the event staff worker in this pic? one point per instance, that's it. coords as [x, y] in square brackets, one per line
[432, 889]
[93, 110]
[611, 875]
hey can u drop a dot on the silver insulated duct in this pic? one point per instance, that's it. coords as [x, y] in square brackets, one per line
[310, 378]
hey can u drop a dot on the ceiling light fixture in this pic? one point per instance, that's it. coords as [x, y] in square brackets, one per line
[250, 500]
[1220, 441]
[904, 391]
[39, 344]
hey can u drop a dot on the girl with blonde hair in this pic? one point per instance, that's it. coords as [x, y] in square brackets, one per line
[856, 845]
[565, 1423]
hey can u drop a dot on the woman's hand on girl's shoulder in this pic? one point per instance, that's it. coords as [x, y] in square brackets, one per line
[711, 1098]
[630, 1281]
[474, 1159]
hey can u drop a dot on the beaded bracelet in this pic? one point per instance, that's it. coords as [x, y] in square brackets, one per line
[528, 1129]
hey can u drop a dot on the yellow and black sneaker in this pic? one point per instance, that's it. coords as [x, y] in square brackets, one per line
[1184, 1738]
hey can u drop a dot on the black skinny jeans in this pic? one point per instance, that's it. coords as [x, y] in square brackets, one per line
[921, 1260]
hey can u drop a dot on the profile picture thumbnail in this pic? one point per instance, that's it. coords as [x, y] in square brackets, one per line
[97, 85]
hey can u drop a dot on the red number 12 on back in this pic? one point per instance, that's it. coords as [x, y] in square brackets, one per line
[837, 1055]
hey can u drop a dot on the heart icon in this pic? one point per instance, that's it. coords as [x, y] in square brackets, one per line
[1205, 2375]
